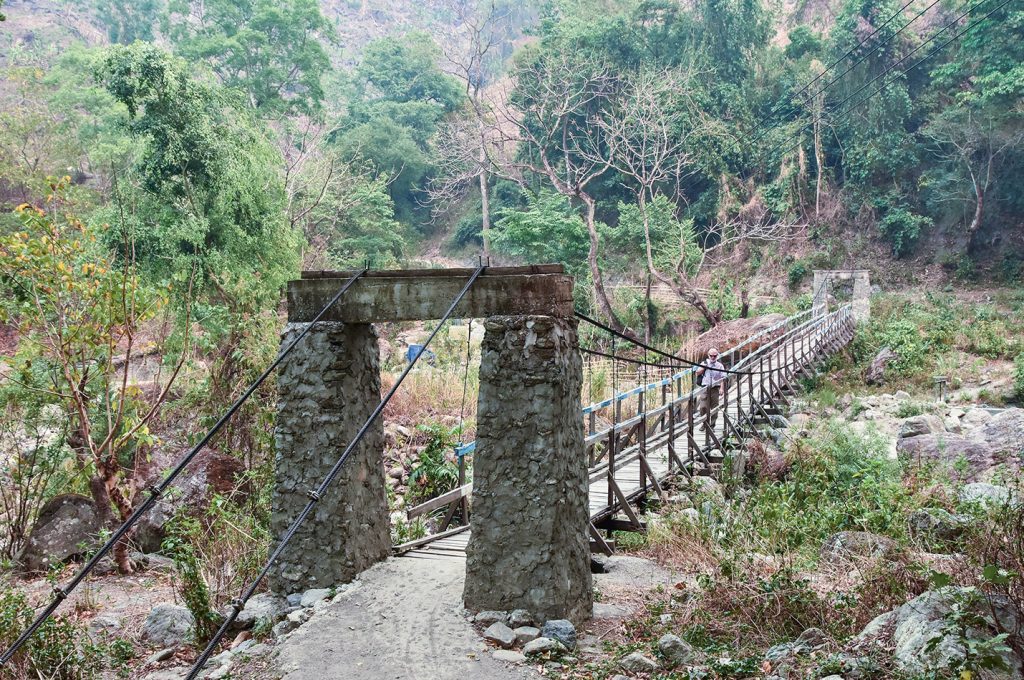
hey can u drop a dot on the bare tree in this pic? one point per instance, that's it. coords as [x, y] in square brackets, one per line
[461, 148]
[550, 129]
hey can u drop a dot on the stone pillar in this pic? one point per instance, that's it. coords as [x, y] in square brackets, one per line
[861, 303]
[819, 303]
[529, 547]
[327, 387]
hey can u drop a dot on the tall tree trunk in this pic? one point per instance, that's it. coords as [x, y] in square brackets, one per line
[603, 303]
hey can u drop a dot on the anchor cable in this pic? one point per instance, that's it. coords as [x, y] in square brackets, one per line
[314, 496]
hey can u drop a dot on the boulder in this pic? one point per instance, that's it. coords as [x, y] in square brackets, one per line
[509, 656]
[65, 529]
[922, 424]
[924, 640]
[561, 630]
[168, 625]
[675, 650]
[875, 373]
[707, 487]
[261, 611]
[210, 474]
[1004, 433]
[990, 496]
[486, 618]
[314, 595]
[932, 525]
[851, 545]
[637, 663]
[975, 418]
[972, 456]
[501, 635]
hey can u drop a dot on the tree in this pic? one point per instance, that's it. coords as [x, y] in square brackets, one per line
[81, 312]
[548, 129]
[127, 22]
[271, 50]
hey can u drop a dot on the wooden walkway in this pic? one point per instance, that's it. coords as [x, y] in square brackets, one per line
[663, 437]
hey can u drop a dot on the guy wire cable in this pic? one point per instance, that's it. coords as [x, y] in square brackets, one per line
[316, 494]
[157, 490]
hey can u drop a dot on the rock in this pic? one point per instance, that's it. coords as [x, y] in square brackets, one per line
[65, 529]
[935, 524]
[262, 610]
[875, 374]
[990, 496]
[975, 418]
[167, 625]
[680, 501]
[921, 637]
[675, 649]
[691, 515]
[832, 677]
[168, 674]
[105, 624]
[526, 634]
[500, 634]
[953, 450]
[607, 610]
[162, 655]
[1004, 433]
[258, 649]
[922, 424]
[856, 544]
[800, 419]
[519, 618]
[294, 600]
[811, 639]
[508, 656]
[901, 395]
[561, 630]
[314, 595]
[707, 487]
[637, 663]
[282, 628]
[779, 422]
[488, 617]
[299, 616]
[543, 645]
[209, 474]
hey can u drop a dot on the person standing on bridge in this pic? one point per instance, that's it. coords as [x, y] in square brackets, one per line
[710, 375]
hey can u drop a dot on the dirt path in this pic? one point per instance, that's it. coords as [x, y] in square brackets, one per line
[403, 620]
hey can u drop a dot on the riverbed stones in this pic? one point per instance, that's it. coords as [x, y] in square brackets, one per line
[561, 630]
[526, 634]
[637, 663]
[520, 617]
[529, 546]
[65, 529]
[853, 545]
[675, 650]
[543, 645]
[327, 388]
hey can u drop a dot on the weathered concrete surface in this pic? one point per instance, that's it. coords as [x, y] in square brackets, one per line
[403, 620]
[529, 547]
[404, 298]
[328, 387]
[861, 299]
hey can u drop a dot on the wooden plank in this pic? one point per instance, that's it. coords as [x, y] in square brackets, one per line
[381, 299]
[441, 501]
[428, 539]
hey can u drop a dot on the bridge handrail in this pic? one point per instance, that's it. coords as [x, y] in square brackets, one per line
[843, 311]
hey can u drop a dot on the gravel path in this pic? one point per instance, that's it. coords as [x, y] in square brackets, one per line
[404, 620]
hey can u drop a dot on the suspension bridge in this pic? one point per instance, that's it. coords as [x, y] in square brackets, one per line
[552, 479]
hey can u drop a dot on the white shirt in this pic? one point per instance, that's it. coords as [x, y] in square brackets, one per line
[713, 373]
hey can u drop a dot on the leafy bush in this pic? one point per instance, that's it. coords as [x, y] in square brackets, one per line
[59, 650]
[436, 472]
[902, 228]
[194, 590]
[797, 273]
[1018, 376]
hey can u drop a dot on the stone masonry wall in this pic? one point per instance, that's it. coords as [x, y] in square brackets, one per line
[529, 546]
[328, 386]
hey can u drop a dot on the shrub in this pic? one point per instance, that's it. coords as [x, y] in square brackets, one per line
[1018, 376]
[902, 228]
[797, 273]
[436, 472]
[193, 588]
[59, 650]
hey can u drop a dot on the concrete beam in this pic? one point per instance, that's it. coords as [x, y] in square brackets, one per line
[411, 295]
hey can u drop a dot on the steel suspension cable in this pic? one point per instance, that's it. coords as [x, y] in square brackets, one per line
[317, 494]
[156, 491]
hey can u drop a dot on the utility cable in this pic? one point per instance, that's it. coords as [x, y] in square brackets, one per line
[158, 490]
[315, 495]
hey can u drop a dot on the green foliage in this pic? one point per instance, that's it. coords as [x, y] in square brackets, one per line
[193, 589]
[436, 472]
[902, 228]
[59, 650]
[803, 40]
[127, 22]
[270, 50]
[798, 271]
[547, 230]
[1018, 376]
